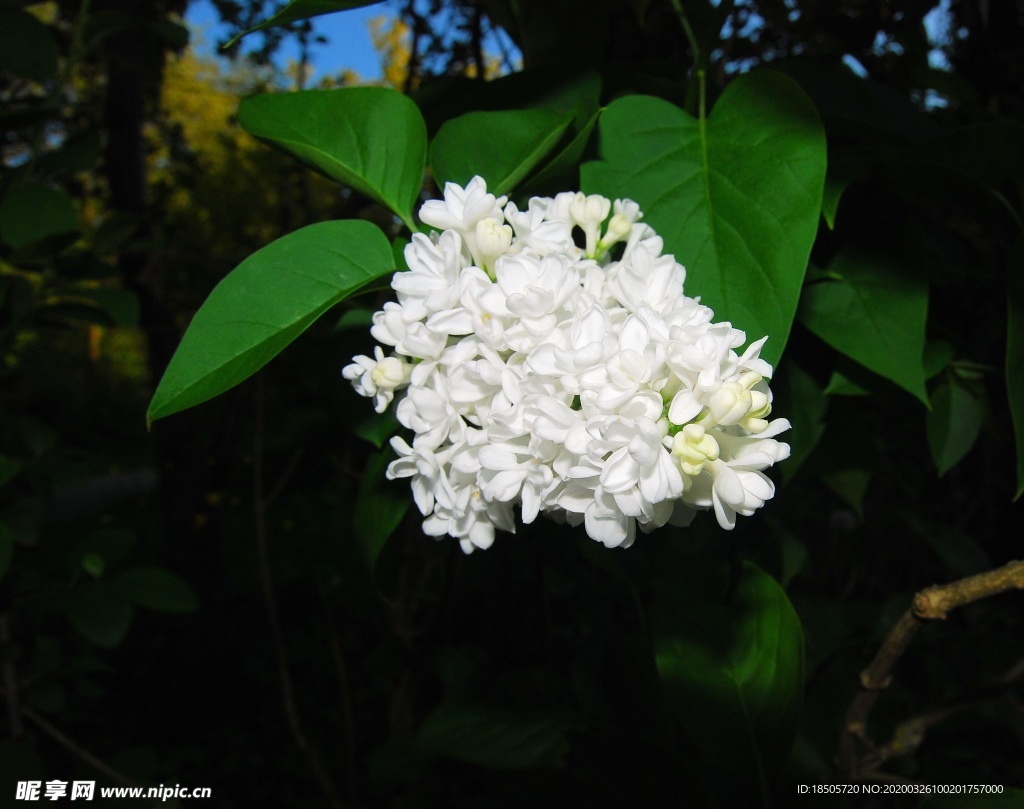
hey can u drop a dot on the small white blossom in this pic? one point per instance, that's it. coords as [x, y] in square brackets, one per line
[536, 375]
[379, 377]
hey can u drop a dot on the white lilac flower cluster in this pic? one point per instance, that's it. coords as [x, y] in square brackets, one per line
[540, 374]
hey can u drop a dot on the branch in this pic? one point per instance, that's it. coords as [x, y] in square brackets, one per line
[858, 756]
[260, 504]
[72, 746]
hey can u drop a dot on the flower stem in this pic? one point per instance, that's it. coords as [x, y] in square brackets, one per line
[693, 105]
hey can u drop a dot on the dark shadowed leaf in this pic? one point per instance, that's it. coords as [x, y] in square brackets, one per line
[501, 740]
[954, 423]
[874, 313]
[101, 613]
[729, 650]
[380, 506]
[370, 138]
[803, 402]
[736, 198]
[502, 147]
[265, 303]
[156, 589]
[377, 428]
[32, 212]
[27, 48]
[303, 10]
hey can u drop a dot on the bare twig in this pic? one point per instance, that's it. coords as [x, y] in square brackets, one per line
[72, 746]
[260, 503]
[858, 756]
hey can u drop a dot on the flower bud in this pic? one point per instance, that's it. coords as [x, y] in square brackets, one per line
[730, 403]
[589, 211]
[390, 373]
[492, 238]
[694, 448]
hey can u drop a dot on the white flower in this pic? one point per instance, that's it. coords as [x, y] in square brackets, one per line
[432, 283]
[538, 376]
[379, 377]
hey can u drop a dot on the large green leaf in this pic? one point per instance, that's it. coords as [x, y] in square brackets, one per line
[736, 197]
[370, 138]
[729, 651]
[874, 312]
[265, 303]
[302, 10]
[502, 147]
[953, 424]
[1015, 354]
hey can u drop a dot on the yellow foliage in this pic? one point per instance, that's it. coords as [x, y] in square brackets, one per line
[392, 39]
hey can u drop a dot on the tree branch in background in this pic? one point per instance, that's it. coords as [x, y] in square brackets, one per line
[858, 756]
[260, 504]
[70, 744]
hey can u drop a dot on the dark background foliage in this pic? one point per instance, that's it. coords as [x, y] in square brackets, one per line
[193, 605]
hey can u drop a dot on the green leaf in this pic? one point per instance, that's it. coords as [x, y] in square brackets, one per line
[937, 355]
[736, 198]
[6, 548]
[302, 10]
[115, 231]
[380, 506]
[355, 318]
[953, 424]
[120, 305]
[33, 212]
[502, 147]
[557, 172]
[875, 316]
[850, 486]
[957, 549]
[1015, 354]
[27, 48]
[804, 403]
[499, 739]
[731, 661]
[370, 138]
[377, 428]
[841, 385]
[265, 303]
[157, 589]
[94, 564]
[842, 171]
[101, 613]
